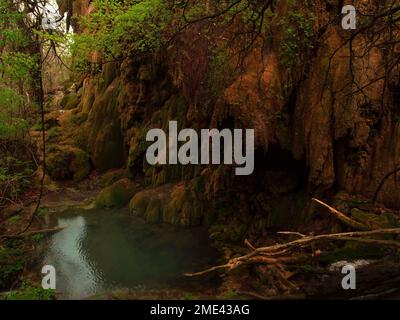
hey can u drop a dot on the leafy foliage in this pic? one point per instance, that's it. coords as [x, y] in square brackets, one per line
[298, 38]
[117, 28]
[18, 67]
[11, 264]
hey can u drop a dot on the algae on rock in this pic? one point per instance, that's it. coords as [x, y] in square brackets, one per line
[116, 195]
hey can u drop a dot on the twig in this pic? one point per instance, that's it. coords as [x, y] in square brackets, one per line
[248, 243]
[292, 233]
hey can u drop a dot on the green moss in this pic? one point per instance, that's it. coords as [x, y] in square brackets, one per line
[50, 120]
[79, 118]
[15, 219]
[352, 251]
[374, 221]
[57, 166]
[11, 264]
[52, 134]
[154, 211]
[139, 203]
[67, 163]
[116, 195]
[70, 101]
[80, 165]
[28, 292]
[230, 295]
[111, 177]
[173, 204]
[104, 131]
[110, 71]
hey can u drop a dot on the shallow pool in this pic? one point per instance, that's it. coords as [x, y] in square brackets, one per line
[105, 250]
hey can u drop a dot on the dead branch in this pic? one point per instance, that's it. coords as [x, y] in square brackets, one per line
[292, 233]
[248, 243]
[257, 255]
[343, 218]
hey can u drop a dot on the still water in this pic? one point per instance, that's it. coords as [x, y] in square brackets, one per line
[106, 250]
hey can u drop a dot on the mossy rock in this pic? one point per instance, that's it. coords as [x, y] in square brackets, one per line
[66, 162]
[149, 204]
[57, 166]
[79, 118]
[70, 101]
[80, 165]
[145, 73]
[111, 177]
[74, 132]
[154, 211]
[110, 72]
[104, 131]
[374, 221]
[11, 265]
[172, 212]
[138, 204]
[51, 120]
[170, 203]
[352, 251]
[116, 195]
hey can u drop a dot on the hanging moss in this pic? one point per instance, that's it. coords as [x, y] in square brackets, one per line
[105, 140]
[80, 165]
[173, 204]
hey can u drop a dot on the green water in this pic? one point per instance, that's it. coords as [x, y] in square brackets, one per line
[107, 250]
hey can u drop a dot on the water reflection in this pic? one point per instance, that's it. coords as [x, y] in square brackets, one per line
[106, 250]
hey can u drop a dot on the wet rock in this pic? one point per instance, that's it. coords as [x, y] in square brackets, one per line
[375, 221]
[116, 195]
[105, 140]
[170, 203]
[70, 101]
[65, 162]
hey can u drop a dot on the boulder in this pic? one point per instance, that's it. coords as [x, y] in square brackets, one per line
[65, 162]
[116, 195]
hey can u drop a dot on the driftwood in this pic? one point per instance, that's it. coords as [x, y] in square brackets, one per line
[275, 258]
[260, 255]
